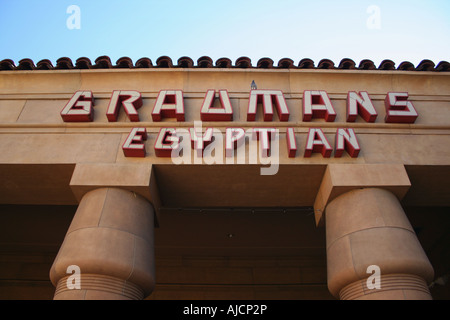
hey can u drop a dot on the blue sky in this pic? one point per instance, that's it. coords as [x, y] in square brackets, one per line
[408, 30]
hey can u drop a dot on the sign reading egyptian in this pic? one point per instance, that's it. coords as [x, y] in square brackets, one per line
[170, 104]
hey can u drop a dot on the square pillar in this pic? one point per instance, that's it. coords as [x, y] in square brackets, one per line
[341, 178]
[137, 178]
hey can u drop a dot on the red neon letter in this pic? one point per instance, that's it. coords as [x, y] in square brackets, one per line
[317, 145]
[291, 143]
[133, 145]
[360, 103]
[317, 104]
[268, 98]
[208, 113]
[169, 104]
[399, 109]
[199, 142]
[264, 136]
[79, 108]
[166, 142]
[130, 100]
[234, 137]
[346, 140]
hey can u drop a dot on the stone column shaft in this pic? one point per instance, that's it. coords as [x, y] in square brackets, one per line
[110, 239]
[366, 227]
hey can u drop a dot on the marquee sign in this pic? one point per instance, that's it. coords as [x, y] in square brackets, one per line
[170, 104]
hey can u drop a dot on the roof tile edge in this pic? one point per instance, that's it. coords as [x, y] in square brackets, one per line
[104, 62]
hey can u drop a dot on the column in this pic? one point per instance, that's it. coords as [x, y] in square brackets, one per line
[366, 226]
[110, 240]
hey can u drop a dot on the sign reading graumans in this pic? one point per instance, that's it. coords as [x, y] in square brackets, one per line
[170, 104]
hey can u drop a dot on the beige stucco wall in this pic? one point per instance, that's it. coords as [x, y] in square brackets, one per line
[32, 131]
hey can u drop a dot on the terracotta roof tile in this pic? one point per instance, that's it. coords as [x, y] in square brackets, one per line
[387, 65]
[44, 65]
[443, 66]
[286, 63]
[144, 63]
[306, 64]
[205, 62]
[325, 64]
[367, 64]
[243, 62]
[185, 62]
[83, 63]
[347, 64]
[425, 65]
[7, 64]
[223, 63]
[26, 64]
[406, 66]
[104, 62]
[265, 63]
[124, 62]
[164, 62]
[64, 63]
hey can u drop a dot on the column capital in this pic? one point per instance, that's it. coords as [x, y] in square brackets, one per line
[342, 178]
[368, 228]
[111, 242]
[137, 178]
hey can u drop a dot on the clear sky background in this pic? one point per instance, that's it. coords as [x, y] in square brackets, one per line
[409, 30]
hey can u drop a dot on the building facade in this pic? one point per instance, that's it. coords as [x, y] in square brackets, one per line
[222, 180]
